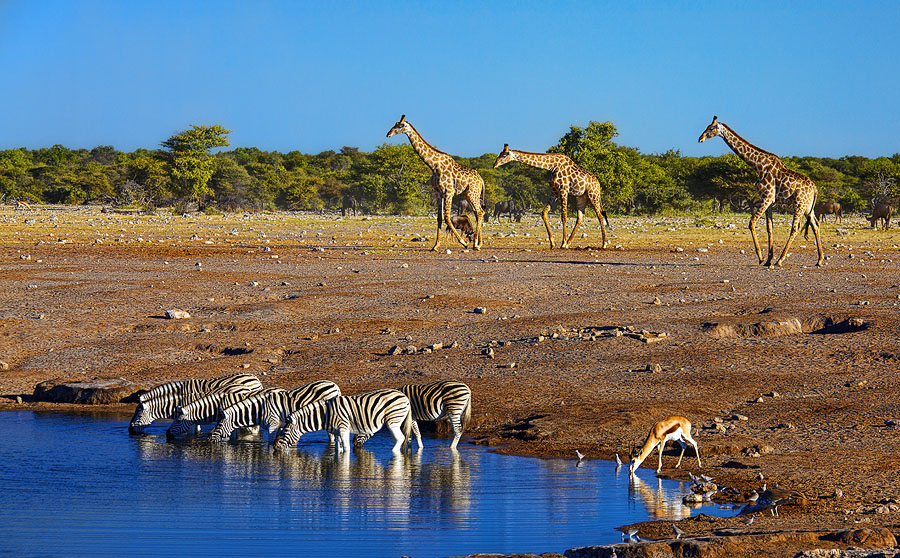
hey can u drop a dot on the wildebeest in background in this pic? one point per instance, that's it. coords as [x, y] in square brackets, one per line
[349, 203]
[827, 208]
[463, 225]
[507, 206]
[883, 211]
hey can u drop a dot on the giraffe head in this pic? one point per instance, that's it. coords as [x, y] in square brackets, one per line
[505, 156]
[711, 131]
[401, 127]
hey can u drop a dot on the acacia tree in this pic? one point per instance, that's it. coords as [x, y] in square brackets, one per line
[190, 162]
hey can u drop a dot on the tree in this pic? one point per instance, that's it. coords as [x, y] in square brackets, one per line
[190, 162]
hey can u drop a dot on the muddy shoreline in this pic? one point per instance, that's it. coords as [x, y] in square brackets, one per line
[569, 352]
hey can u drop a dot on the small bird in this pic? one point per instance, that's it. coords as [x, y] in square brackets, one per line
[706, 478]
[618, 461]
[760, 477]
[630, 534]
[708, 495]
[754, 496]
[579, 455]
[763, 487]
[748, 520]
[678, 532]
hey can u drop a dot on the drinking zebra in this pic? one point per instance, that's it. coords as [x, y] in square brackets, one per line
[160, 402]
[243, 414]
[437, 400]
[362, 414]
[205, 410]
[280, 405]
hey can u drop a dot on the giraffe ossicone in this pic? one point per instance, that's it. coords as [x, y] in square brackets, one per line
[776, 183]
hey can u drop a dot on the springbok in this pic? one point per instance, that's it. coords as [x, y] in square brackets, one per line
[672, 429]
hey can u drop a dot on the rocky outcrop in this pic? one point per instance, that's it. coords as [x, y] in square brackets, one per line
[740, 545]
[99, 392]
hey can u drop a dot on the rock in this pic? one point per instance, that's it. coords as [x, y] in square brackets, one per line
[758, 400]
[654, 368]
[410, 349]
[176, 314]
[395, 350]
[838, 493]
[657, 301]
[480, 310]
[4, 365]
[489, 352]
[739, 417]
[100, 392]
[18, 400]
[436, 346]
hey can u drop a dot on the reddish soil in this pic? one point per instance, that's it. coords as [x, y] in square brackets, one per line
[340, 294]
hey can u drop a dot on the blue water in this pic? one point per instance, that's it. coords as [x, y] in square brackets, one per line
[79, 485]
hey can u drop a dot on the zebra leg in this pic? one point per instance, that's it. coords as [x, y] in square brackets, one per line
[360, 439]
[399, 438]
[457, 430]
[415, 429]
[344, 443]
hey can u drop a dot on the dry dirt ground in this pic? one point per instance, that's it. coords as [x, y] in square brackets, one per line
[295, 297]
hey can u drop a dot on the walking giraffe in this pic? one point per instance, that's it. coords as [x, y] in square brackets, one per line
[447, 179]
[566, 178]
[776, 183]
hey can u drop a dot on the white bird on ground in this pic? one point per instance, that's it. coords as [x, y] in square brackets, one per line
[706, 478]
[754, 496]
[748, 520]
[678, 532]
[630, 534]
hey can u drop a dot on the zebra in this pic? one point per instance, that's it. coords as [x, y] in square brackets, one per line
[160, 402]
[279, 405]
[444, 399]
[362, 414]
[243, 414]
[189, 417]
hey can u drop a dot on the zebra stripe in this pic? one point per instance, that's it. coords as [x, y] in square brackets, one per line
[243, 414]
[160, 402]
[279, 405]
[362, 415]
[202, 411]
[437, 400]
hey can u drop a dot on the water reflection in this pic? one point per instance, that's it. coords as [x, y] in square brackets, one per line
[83, 488]
[660, 502]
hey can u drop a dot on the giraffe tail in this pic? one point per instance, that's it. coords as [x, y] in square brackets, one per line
[605, 218]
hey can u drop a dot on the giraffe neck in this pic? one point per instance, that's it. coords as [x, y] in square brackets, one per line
[548, 161]
[428, 153]
[749, 153]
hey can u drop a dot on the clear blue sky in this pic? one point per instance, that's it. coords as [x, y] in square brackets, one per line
[795, 78]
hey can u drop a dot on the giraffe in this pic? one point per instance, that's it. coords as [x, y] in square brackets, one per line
[566, 178]
[776, 183]
[447, 178]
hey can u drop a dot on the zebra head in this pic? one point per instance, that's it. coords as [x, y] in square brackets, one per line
[142, 418]
[223, 425]
[289, 435]
[180, 427]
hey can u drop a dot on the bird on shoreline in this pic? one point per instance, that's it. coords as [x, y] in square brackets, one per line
[754, 496]
[748, 520]
[678, 532]
[618, 461]
[580, 457]
[630, 535]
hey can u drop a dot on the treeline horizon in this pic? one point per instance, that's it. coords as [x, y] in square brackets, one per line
[392, 179]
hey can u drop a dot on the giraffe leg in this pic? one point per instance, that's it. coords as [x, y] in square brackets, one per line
[440, 216]
[811, 222]
[448, 204]
[768, 198]
[474, 200]
[795, 227]
[598, 209]
[580, 203]
[770, 232]
[547, 224]
[564, 204]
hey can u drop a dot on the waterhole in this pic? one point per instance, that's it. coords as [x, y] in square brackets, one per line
[79, 485]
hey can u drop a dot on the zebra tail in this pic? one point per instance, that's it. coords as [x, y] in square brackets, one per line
[466, 414]
[406, 428]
